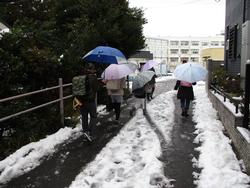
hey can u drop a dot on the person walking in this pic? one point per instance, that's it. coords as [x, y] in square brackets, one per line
[116, 92]
[88, 102]
[185, 94]
[152, 85]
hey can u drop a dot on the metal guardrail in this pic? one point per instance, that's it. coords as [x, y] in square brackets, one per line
[236, 103]
[60, 100]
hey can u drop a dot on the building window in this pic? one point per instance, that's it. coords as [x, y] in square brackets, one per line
[184, 51]
[173, 59]
[184, 58]
[174, 43]
[214, 43]
[232, 48]
[194, 59]
[184, 43]
[204, 43]
[174, 51]
[195, 51]
[195, 43]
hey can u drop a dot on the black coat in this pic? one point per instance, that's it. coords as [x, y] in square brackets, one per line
[184, 92]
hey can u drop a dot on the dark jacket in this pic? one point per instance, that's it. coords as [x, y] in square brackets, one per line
[93, 87]
[153, 81]
[184, 92]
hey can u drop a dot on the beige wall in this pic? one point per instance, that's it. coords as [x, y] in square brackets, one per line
[216, 54]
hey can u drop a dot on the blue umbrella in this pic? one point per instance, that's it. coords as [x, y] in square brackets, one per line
[105, 54]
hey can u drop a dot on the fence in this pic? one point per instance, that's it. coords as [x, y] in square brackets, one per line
[237, 103]
[244, 104]
[61, 99]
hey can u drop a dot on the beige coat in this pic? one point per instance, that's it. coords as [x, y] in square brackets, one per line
[115, 87]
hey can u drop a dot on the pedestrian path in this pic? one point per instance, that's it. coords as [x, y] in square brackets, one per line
[61, 168]
[179, 154]
[155, 150]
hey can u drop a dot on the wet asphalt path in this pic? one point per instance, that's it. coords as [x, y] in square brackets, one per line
[60, 169]
[178, 154]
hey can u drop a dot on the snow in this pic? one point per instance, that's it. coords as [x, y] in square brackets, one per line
[218, 163]
[245, 133]
[30, 156]
[229, 105]
[131, 158]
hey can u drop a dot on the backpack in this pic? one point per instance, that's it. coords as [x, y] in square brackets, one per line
[113, 85]
[79, 85]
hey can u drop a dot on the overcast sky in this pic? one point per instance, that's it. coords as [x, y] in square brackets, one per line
[182, 17]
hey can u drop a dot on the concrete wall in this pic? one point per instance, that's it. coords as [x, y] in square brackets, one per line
[231, 122]
[235, 16]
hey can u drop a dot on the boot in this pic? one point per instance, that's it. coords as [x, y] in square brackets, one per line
[183, 111]
[186, 113]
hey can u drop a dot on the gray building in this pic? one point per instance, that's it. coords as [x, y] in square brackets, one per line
[237, 36]
[172, 50]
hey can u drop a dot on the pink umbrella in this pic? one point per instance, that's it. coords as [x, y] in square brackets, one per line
[149, 64]
[118, 71]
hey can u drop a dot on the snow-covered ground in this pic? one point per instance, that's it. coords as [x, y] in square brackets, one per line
[220, 167]
[130, 159]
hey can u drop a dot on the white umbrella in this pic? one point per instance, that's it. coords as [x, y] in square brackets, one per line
[190, 72]
[118, 71]
[141, 79]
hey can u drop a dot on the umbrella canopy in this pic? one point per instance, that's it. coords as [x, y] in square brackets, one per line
[141, 79]
[114, 71]
[105, 54]
[190, 72]
[149, 64]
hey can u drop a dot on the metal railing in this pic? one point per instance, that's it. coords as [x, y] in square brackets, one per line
[61, 99]
[237, 103]
[244, 104]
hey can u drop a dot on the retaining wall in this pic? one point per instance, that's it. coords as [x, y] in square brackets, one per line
[231, 122]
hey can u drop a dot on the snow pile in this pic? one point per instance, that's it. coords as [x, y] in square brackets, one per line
[32, 155]
[218, 163]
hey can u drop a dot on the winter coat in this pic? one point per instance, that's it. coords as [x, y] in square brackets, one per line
[92, 87]
[115, 87]
[148, 87]
[184, 92]
[151, 84]
[153, 81]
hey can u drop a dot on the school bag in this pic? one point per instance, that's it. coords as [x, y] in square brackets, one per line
[79, 85]
[113, 85]
[80, 90]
